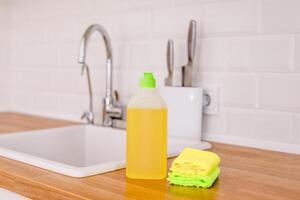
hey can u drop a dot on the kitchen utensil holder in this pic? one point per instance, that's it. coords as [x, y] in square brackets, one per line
[185, 107]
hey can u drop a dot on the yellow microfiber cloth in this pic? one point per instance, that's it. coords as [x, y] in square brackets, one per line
[195, 162]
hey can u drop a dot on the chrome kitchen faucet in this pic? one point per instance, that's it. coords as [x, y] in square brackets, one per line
[110, 109]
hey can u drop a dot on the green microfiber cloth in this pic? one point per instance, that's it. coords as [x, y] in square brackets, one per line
[205, 181]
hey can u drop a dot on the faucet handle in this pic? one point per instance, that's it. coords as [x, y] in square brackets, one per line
[116, 95]
[89, 116]
[83, 116]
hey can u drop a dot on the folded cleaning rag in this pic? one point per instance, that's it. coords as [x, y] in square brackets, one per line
[195, 167]
[194, 180]
[194, 161]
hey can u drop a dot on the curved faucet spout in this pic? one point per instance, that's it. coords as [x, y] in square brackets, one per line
[85, 38]
[109, 64]
[110, 109]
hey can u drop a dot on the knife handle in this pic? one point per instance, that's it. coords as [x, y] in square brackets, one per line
[170, 57]
[191, 45]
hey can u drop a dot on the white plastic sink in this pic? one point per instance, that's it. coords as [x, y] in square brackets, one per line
[76, 151]
[9, 195]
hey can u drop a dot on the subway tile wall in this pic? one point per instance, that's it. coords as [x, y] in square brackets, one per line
[250, 49]
[4, 55]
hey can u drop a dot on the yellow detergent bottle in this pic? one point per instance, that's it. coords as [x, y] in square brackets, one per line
[147, 133]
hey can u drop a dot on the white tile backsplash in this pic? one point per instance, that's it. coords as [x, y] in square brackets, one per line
[4, 55]
[260, 53]
[237, 90]
[131, 26]
[230, 17]
[4, 100]
[173, 22]
[68, 55]
[34, 55]
[297, 53]
[212, 54]
[3, 14]
[250, 49]
[278, 15]
[57, 31]
[147, 55]
[3, 33]
[280, 91]
[28, 33]
[4, 78]
[216, 124]
[265, 125]
[75, 7]
[296, 129]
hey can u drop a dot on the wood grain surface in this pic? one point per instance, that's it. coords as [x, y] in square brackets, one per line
[246, 173]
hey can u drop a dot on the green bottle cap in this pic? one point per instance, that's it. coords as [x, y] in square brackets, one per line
[148, 81]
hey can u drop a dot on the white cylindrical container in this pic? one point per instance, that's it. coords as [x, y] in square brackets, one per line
[185, 107]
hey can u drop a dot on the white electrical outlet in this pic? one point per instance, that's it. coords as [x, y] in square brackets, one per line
[213, 99]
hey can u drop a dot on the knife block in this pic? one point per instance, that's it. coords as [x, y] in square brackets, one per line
[185, 106]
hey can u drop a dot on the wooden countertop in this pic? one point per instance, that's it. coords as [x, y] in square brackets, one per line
[246, 174]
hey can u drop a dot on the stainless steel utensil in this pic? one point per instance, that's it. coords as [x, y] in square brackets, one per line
[170, 63]
[187, 70]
